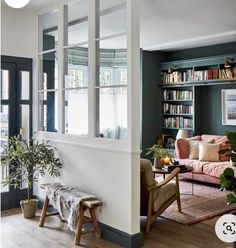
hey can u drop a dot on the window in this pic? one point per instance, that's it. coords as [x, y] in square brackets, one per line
[111, 87]
[76, 70]
[48, 72]
[64, 99]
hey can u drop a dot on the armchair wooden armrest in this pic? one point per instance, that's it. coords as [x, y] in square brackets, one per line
[173, 174]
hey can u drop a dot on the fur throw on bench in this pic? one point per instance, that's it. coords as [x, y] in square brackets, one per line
[67, 200]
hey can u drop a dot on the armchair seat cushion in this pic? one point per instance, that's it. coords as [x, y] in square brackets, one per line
[164, 194]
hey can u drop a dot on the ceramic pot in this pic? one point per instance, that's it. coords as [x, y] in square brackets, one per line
[29, 208]
[158, 163]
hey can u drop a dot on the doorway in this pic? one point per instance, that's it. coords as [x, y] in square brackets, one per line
[15, 116]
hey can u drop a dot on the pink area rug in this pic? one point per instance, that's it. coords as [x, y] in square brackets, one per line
[205, 203]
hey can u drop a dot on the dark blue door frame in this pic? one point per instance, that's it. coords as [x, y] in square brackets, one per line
[15, 65]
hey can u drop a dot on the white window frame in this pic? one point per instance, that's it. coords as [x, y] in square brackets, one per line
[133, 77]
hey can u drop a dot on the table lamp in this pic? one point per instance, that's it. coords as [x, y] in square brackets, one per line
[182, 134]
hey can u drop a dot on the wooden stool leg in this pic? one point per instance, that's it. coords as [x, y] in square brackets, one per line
[44, 211]
[79, 226]
[95, 223]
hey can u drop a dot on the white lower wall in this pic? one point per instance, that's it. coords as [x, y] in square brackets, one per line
[107, 175]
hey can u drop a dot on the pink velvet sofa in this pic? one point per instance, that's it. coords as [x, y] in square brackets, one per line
[204, 171]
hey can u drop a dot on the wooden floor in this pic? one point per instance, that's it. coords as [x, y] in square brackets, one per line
[17, 232]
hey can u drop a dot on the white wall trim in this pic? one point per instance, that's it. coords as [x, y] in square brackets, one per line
[97, 148]
[103, 144]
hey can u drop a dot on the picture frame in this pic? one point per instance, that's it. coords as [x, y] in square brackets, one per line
[228, 107]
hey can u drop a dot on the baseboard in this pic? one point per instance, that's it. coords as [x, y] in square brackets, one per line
[112, 234]
[121, 238]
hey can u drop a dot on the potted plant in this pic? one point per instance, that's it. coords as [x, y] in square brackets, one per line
[27, 161]
[227, 179]
[158, 154]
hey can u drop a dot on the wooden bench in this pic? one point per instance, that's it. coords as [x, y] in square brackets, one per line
[90, 205]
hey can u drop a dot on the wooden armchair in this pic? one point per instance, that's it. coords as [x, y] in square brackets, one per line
[157, 197]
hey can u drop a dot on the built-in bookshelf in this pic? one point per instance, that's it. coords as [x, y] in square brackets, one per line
[177, 109]
[179, 83]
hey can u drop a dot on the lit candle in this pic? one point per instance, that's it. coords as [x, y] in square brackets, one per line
[166, 160]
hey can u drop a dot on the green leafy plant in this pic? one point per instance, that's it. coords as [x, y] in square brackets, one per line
[156, 151]
[227, 179]
[27, 160]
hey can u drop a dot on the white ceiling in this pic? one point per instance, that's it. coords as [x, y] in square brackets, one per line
[178, 24]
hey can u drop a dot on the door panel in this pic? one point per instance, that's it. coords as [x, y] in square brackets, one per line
[15, 113]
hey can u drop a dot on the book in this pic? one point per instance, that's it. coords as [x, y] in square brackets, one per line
[171, 167]
[215, 73]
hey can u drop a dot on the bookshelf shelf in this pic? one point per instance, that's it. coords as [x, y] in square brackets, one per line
[177, 114]
[199, 83]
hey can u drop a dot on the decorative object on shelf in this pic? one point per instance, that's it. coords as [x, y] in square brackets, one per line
[228, 106]
[228, 62]
[172, 67]
[182, 134]
[159, 154]
[29, 160]
[17, 4]
[160, 141]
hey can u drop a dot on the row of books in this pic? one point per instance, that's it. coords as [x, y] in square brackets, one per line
[177, 109]
[178, 122]
[177, 95]
[198, 75]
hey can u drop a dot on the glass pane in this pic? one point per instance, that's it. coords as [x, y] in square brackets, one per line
[113, 61]
[77, 22]
[112, 17]
[113, 113]
[48, 25]
[4, 84]
[76, 112]
[48, 111]
[25, 121]
[4, 142]
[48, 71]
[25, 82]
[76, 67]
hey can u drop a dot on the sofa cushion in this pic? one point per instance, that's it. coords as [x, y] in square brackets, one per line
[211, 138]
[208, 152]
[182, 148]
[194, 149]
[224, 146]
[215, 169]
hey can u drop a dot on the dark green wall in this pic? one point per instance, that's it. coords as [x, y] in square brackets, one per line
[210, 114]
[151, 99]
[208, 101]
[199, 52]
